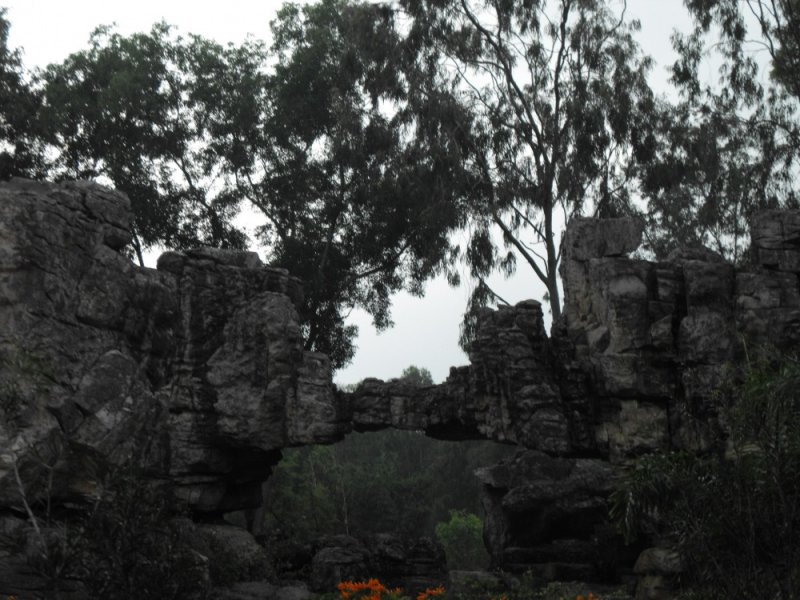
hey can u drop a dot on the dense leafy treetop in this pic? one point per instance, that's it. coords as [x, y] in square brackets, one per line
[417, 376]
[326, 136]
[126, 109]
[350, 177]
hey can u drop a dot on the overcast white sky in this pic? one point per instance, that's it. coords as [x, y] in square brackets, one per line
[426, 329]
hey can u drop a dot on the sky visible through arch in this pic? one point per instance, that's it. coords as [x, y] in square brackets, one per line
[426, 329]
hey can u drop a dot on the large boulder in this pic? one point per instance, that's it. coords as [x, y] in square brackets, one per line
[545, 515]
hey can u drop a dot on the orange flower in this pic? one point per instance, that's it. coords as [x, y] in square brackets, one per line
[431, 593]
[348, 589]
[376, 586]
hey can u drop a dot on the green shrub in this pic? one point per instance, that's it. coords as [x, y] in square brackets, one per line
[134, 548]
[124, 543]
[734, 517]
[462, 538]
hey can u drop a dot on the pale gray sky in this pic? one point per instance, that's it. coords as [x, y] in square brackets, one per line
[426, 329]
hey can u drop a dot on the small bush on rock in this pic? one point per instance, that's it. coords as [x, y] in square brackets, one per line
[123, 543]
[133, 548]
[462, 539]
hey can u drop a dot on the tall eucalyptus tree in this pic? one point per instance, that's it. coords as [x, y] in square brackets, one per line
[561, 105]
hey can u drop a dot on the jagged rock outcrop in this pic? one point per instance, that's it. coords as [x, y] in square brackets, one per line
[195, 371]
[509, 393]
[640, 356]
[547, 511]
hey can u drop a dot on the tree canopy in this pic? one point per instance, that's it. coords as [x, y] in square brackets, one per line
[367, 134]
[561, 110]
[324, 135]
[729, 147]
[19, 104]
[350, 177]
[129, 109]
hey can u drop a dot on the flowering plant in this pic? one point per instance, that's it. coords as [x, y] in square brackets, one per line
[367, 590]
[373, 589]
[431, 593]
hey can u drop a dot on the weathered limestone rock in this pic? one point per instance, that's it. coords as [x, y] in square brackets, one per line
[262, 590]
[397, 561]
[73, 314]
[237, 555]
[659, 561]
[544, 514]
[643, 348]
[775, 240]
[657, 569]
[508, 394]
[195, 372]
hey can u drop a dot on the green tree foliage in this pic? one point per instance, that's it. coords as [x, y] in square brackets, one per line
[561, 113]
[326, 135]
[728, 148]
[352, 192]
[417, 376]
[734, 519]
[778, 25]
[462, 539]
[129, 109]
[19, 104]
[392, 481]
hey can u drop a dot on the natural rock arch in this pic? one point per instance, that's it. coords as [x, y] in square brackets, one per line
[196, 370]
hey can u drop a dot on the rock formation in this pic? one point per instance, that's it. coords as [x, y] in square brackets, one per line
[411, 564]
[196, 372]
[196, 368]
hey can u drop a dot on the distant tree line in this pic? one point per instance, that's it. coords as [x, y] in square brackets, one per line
[384, 482]
[367, 134]
[388, 481]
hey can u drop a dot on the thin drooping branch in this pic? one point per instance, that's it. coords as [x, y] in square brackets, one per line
[24, 497]
[521, 249]
[492, 292]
